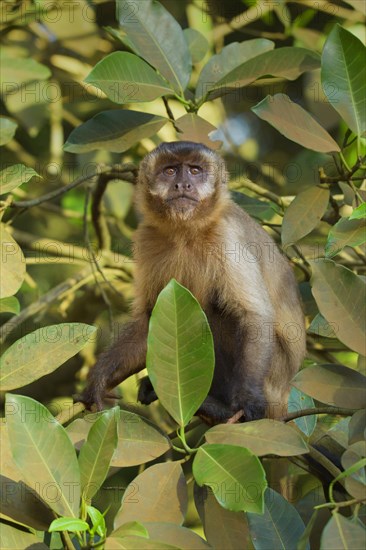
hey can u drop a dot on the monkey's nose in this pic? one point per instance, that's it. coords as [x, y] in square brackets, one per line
[186, 186]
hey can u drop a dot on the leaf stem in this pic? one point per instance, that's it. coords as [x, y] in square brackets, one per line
[319, 410]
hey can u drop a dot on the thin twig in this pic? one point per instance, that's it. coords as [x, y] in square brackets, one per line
[319, 410]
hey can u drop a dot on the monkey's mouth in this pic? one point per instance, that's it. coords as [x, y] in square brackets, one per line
[182, 200]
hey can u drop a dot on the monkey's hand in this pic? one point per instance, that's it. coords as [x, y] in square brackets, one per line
[91, 397]
[146, 393]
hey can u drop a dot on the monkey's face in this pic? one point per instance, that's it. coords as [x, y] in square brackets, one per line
[182, 179]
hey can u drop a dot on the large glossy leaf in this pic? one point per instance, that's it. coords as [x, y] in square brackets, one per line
[295, 123]
[286, 62]
[297, 402]
[180, 354]
[234, 474]
[159, 492]
[136, 543]
[115, 131]
[340, 295]
[261, 437]
[231, 56]
[344, 77]
[153, 33]
[12, 263]
[44, 454]
[333, 384]
[13, 176]
[12, 538]
[359, 213]
[96, 453]
[345, 233]
[197, 44]
[195, 128]
[7, 130]
[279, 527]
[343, 534]
[125, 78]
[41, 352]
[304, 214]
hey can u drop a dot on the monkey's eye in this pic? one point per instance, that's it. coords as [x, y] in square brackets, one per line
[195, 170]
[170, 171]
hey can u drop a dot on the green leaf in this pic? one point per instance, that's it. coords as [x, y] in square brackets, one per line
[7, 130]
[340, 295]
[261, 437]
[297, 402]
[17, 70]
[68, 524]
[260, 209]
[279, 527]
[352, 458]
[44, 454]
[136, 543]
[295, 123]
[231, 57]
[197, 44]
[125, 78]
[344, 77]
[153, 34]
[171, 533]
[9, 305]
[160, 492]
[12, 263]
[195, 128]
[98, 522]
[12, 538]
[235, 475]
[345, 233]
[359, 212]
[357, 427]
[41, 352]
[180, 354]
[321, 327]
[96, 453]
[115, 131]
[13, 176]
[304, 214]
[133, 528]
[343, 534]
[333, 384]
[286, 62]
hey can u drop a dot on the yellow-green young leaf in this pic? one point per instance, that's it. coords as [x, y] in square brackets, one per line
[304, 214]
[98, 521]
[180, 353]
[345, 232]
[340, 296]
[159, 492]
[279, 527]
[359, 212]
[44, 454]
[68, 524]
[295, 123]
[261, 437]
[115, 131]
[9, 305]
[12, 538]
[96, 453]
[41, 352]
[12, 263]
[333, 384]
[133, 528]
[125, 78]
[342, 534]
[344, 77]
[13, 176]
[234, 474]
[7, 130]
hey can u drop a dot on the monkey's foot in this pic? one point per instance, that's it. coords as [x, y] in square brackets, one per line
[237, 416]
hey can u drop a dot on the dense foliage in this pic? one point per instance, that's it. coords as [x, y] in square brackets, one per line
[280, 87]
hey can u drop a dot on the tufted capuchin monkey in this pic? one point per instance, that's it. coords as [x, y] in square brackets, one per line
[192, 231]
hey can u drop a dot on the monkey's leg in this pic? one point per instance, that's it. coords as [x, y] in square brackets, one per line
[214, 409]
[125, 357]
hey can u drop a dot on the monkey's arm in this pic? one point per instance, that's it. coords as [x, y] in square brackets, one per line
[125, 357]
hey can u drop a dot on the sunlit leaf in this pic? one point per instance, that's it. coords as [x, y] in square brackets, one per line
[159, 492]
[96, 453]
[197, 44]
[68, 524]
[333, 384]
[115, 131]
[295, 123]
[12, 263]
[41, 352]
[344, 77]
[340, 295]
[9, 305]
[180, 355]
[7, 130]
[133, 528]
[13, 176]
[98, 521]
[125, 78]
[261, 437]
[44, 453]
[20, 70]
[279, 527]
[359, 212]
[234, 474]
[153, 34]
[345, 233]
[304, 214]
